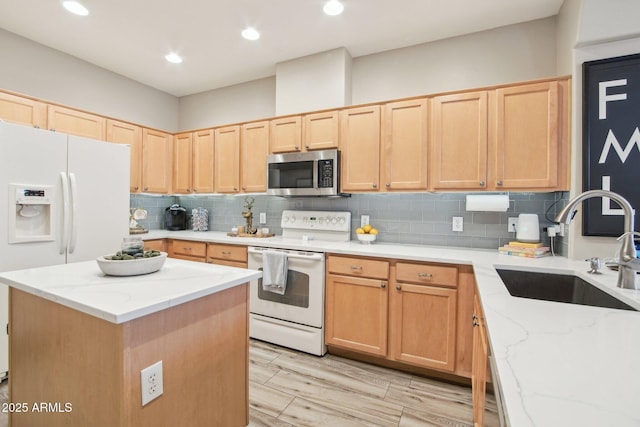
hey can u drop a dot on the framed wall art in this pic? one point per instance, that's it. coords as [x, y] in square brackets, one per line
[611, 141]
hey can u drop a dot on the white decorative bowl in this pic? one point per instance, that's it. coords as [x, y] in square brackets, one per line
[131, 267]
[366, 238]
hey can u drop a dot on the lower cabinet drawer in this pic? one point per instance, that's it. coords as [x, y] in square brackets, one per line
[186, 247]
[227, 252]
[188, 258]
[427, 274]
[155, 244]
[375, 269]
[238, 264]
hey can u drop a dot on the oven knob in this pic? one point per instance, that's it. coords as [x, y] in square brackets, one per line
[334, 220]
[285, 219]
[293, 218]
[342, 220]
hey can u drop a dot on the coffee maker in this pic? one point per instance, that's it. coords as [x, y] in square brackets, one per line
[175, 218]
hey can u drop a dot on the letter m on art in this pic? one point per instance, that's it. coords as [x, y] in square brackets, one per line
[622, 153]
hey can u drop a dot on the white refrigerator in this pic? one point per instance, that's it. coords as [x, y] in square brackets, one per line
[64, 199]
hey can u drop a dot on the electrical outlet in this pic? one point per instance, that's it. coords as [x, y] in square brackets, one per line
[364, 220]
[560, 229]
[151, 382]
[263, 217]
[513, 224]
[457, 223]
[298, 204]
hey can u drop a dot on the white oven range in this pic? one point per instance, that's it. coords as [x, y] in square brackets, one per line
[295, 319]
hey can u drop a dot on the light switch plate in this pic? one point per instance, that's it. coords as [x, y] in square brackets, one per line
[364, 220]
[263, 217]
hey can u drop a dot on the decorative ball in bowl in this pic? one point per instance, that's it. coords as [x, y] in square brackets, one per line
[113, 265]
[366, 238]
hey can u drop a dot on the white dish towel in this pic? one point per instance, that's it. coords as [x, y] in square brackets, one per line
[274, 271]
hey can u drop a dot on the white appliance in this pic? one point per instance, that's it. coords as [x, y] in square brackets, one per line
[64, 199]
[528, 228]
[296, 318]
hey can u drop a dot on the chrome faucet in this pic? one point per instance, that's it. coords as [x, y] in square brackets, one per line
[628, 264]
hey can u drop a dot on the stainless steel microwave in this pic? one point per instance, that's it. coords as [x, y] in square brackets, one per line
[315, 173]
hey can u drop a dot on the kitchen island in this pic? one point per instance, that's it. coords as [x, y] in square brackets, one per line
[79, 340]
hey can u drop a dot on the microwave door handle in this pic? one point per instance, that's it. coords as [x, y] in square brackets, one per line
[316, 184]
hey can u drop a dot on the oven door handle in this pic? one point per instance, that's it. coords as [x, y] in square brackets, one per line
[312, 256]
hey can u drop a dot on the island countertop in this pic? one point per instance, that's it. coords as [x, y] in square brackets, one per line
[83, 287]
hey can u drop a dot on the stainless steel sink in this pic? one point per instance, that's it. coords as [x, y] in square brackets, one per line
[558, 288]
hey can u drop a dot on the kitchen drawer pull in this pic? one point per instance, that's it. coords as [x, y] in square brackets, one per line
[388, 185]
[356, 267]
[186, 248]
[425, 275]
[481, 183]
[375, 185]
[383, 285]
[398, 287]
[475, 323]
[499, 183]
[226, 253]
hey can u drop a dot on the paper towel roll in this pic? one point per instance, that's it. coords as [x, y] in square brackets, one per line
[488, 202]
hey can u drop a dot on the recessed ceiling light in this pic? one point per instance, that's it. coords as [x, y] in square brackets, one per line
[250, 33]
[75, 7]
[333, 7]
[173, 57]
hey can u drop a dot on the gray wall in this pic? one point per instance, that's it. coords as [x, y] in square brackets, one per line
[413, 218]
[35, 70]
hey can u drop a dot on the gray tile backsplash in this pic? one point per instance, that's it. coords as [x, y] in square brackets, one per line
[416, 218]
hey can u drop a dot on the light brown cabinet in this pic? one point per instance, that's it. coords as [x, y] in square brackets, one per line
[321, 131]
[193, 162]
[424, 294]
[229, 255]
[404, 145]
[23, 111]
[510, 138]
[126, 133]
[156, 161]
[480, 364]
[187, 250]
[459, 141]
[356, 304]
[360, 147]
[74, 122]
[154, 244]
[254, 151]
[528, 136]
[285, 134]
[227, 159]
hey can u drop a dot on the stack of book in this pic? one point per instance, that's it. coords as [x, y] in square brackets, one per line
[528, 250]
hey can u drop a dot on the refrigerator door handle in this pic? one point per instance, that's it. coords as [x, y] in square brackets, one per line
[74, 212]
[64, 238]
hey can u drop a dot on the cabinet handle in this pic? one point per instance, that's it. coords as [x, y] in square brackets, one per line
[187, 249]
[296, 147]
[244, 188]
[425, 275]
[136, 188]
[375, 185]
[146, 188]
[383, 285]
[307, 147]
[188, 191]
[356, 267]
[195, 191]
[475, 323]
[499, 183]
[235, 188]
[388, 185]
[481, 183]
[398, 287]
[226, 253]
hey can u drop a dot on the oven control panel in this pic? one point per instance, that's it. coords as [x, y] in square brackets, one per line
[316, 220]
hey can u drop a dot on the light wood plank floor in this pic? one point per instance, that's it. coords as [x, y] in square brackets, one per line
[292, 389]
[288, 388]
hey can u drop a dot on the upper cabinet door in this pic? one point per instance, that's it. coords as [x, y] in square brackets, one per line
[527, 136]
[23, 111]
[404, 152]
[182, 156]
[321, 130]
[227, 159]
[202, 178]
[76, 122]
[360, 147]
[459, 141]
[126, 133]
[255, 148]
[285, 135]
[156, 161]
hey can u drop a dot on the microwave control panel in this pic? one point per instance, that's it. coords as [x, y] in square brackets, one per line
[325, 173]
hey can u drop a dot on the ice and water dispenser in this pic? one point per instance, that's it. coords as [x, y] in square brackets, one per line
[33, 219]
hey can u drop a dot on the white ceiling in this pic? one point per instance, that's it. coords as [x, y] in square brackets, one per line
[131, 37]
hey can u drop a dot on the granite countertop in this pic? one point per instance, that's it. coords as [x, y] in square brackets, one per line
[557, 364]
[83, 286]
